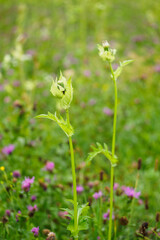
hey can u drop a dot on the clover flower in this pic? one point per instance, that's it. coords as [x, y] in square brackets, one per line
[17, 216]
[8, 149]
[33, 198]
[116, 185]
[32, 208]
[16, 174]
[97, 195]
[80, 189]
[107, 111]
[26, 184]
[130, 192]
[63, 214]
[49, 166]
[35, 231]
[107, 214]
[8, 213]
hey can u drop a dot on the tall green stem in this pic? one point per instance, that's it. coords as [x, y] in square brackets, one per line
[74, 181]
[113, 152]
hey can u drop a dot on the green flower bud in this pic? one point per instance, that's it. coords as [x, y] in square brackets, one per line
[62, 89]
[105, 52]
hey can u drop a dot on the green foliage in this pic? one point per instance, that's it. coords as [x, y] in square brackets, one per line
[118, 71]
[64, 125]
[81, 216]
[102, 150]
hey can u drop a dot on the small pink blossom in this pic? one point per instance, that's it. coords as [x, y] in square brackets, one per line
[107, 214]
[49, 166]
[97, 195]
[26, 184]
[32, 208]
[35, 231]
[8, 149]
[116, 185]
[107, 111]
[80, 189]
[130, 192]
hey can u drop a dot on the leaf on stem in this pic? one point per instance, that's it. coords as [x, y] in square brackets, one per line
[64, 125]
[118, 71]
[102, 150]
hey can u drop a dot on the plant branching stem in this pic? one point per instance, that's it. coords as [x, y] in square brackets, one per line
[74, 181]
[113, 152]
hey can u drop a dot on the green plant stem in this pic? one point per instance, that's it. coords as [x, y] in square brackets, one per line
[113, 152]
[74, 181]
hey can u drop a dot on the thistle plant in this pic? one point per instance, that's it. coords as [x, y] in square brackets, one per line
[108, 55]
[62, 90]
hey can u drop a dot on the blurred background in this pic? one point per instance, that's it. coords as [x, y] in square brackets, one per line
[40, 38]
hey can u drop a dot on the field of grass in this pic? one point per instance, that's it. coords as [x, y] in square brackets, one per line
[38, 39]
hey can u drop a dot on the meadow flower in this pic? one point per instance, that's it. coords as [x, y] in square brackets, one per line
[116, 185]
[62, 214]
[35, 231]
[107, 214]
[49, 166]
[17, 216]
[92, 102]
[26, 184]
[107, 111]
[8, 149]
[130, 192]
[16, 174]
[157, 68]
[1, 87]
[97, 195]
[51, 236]
[33, 198]
[2, 168]
[87, 73]
[8, 212]
[80, 189]
[106, 53]
[32, 208]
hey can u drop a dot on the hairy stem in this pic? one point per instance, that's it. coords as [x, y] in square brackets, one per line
[74, 181]
[113, 152]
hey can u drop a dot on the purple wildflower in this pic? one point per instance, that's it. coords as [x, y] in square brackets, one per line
[107, 111]
[49, 166]
[130, 192]
[116, 185]
[80, 189]
[33, 198]
[87, 73]
[8, 149]
[62, 214]
[17, 216]
[32, 208]
[35, 231]
[97, 195]
[107, 214]
[26, 184]
[16, 83]
[1, 88]
[16, 174]
[157, 68]
[98, 238]
[92, 102]
[8, 212]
